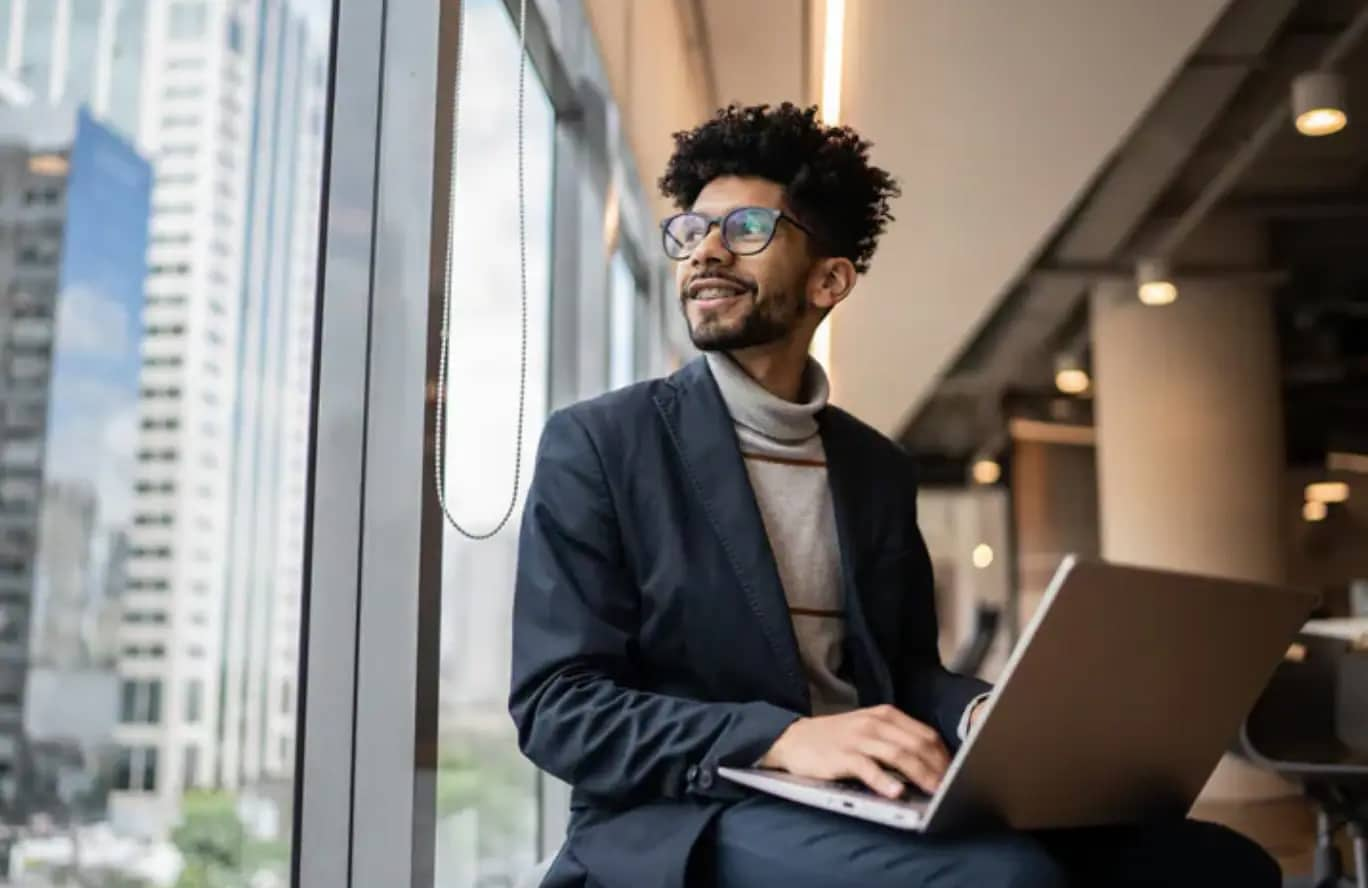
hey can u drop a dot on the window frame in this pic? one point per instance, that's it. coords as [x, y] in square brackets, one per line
[369, 678]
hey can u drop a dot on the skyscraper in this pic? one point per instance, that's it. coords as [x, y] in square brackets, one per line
[233, 110]
[72, 264]
[195, 108]
[265, 554]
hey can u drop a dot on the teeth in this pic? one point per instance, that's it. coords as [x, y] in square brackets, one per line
[714, 293]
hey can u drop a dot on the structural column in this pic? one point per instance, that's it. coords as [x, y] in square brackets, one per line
[1189, 427]
[1190, 452]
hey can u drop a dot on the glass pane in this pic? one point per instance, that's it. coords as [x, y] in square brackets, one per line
[622, 336]
[82, 41]
[35, 62]
[125, 66]
[157, 294]
[486, 791]
[6, 10]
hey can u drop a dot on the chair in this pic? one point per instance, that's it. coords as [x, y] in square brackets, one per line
[1311, 725]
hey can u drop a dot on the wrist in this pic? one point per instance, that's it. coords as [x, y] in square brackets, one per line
[774, 758]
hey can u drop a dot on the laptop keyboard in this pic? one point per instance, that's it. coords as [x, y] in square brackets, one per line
[910, 793]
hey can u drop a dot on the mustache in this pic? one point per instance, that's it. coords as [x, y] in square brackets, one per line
[716, 275]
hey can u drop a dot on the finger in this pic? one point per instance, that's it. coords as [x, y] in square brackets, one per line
[920, 772]
[932, 749]
[868, 772]
[895, 716]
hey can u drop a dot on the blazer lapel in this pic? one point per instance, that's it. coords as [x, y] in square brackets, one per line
[872, 678]
[701, 430]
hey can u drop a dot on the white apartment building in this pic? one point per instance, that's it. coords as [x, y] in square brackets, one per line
[233, 108]
[266, 548]
[196, 117]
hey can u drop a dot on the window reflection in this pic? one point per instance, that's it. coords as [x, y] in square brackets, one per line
[486, 791]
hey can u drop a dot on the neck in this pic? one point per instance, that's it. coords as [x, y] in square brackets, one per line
[778, 366]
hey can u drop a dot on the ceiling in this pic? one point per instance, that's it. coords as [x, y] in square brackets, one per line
[1310, 197]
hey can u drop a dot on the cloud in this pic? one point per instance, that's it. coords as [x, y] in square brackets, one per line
[90, 323]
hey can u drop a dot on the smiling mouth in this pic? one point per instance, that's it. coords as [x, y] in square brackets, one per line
[719, 293]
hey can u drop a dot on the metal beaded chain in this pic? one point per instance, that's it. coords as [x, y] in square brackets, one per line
[440, 444]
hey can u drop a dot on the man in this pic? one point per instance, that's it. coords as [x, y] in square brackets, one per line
[720, 569]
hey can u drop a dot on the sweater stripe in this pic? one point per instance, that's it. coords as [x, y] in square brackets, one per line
[786, 460]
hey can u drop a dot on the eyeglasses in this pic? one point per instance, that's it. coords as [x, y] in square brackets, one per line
[745, 231]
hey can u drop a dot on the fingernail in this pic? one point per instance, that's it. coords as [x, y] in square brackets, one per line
[893, 787]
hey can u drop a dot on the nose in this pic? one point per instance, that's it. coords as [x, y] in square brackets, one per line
[711, 250]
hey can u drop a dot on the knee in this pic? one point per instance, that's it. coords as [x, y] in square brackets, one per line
[1014, 862]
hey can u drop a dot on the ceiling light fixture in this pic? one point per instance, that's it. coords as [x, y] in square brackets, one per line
[987, 471]
[1319, 102]
[1154, 282]
[1327, 492]
[1070, 377]
[983, 556]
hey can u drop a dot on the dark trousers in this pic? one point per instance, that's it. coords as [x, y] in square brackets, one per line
[768, 842]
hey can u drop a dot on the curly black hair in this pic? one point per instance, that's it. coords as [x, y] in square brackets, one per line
[828, 181]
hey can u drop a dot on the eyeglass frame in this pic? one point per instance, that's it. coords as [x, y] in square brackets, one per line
[719, 221]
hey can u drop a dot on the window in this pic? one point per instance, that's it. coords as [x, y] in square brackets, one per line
[625, 307]
[187, 21]
[143, 651]
[476, 741]
[192, 91]
[140, 702]
[190, 774]
[156, 330]
[136, 617]
[194, 693]
[40, 26]
[235, 35]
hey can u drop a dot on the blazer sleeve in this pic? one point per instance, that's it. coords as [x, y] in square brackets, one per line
[574, 696]
[926, 690]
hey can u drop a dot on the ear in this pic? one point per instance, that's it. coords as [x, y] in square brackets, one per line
[829, 282]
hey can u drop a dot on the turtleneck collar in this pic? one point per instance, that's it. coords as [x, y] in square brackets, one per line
[755, 407]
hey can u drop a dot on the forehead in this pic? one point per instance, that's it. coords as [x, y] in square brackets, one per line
[726, 192]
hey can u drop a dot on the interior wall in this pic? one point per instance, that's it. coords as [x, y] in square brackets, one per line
[654, 77]
[995, 117]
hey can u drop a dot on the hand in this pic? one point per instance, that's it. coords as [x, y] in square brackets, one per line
[861, 745]
[976, 712]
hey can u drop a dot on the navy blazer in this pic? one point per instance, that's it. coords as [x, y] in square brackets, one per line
[651, 638]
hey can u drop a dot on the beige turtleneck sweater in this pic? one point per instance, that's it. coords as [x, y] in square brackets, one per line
[782, 448]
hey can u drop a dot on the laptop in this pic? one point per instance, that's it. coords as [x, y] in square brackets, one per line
[1115, 707]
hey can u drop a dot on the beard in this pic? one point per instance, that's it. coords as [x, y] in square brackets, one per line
[762, 323]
